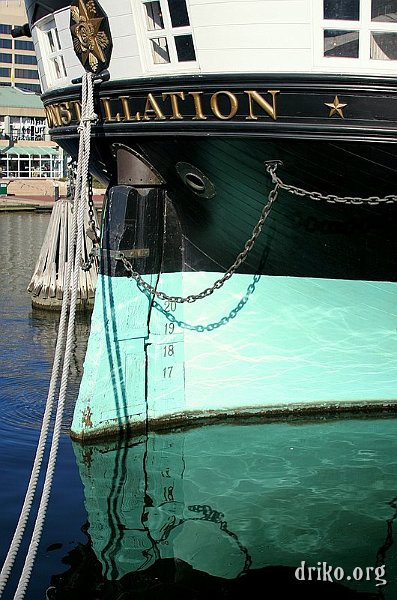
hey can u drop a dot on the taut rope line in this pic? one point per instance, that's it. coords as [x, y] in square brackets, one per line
[72, 275]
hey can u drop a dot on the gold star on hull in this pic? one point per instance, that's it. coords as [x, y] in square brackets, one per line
[336, 107]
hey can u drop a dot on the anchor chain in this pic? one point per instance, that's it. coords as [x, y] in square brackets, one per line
[272, 196]
[330, 198]
[91, 220]
[92, 231]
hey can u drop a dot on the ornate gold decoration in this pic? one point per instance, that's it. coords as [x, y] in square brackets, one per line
[89, 38]
[336, 107]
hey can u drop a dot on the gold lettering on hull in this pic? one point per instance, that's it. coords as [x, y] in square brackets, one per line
[53, 115]
[215, 106]
[65, 113]
[109, 117]
[174, 102]
[199, 115]
[126, 107]
[196, 105]
[270, 109]
[77, 108]
[151, 107]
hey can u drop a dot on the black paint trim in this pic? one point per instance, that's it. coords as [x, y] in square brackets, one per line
[370, 114]
[322, 81]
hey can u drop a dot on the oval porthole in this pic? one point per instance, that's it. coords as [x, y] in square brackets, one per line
[195, 180]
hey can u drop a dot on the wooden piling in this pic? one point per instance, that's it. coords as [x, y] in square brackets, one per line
[48, 280]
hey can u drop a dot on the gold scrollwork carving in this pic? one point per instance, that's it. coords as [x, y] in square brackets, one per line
[90, 41]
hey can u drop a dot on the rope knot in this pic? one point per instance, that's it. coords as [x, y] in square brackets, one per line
[93, 118]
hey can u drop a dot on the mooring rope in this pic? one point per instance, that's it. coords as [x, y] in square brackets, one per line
[72, 275]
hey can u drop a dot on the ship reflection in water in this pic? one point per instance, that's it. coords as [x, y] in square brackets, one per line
[223, 510]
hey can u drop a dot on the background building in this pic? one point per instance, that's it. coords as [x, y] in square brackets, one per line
[18, 62]
[22, 120]
[26, 150]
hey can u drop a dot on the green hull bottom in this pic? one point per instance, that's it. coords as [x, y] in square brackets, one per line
[260, 345]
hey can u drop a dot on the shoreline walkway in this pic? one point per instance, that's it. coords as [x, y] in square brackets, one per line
[26, 203]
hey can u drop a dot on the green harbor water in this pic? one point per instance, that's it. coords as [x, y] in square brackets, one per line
[297, 509]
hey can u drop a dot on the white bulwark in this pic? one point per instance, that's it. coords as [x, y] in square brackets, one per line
[247, 36]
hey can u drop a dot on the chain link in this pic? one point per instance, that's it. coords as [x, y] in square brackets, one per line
[91, 231]
[330, 198]
[270, 167]
[91, 220]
